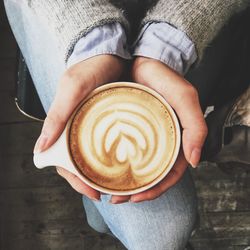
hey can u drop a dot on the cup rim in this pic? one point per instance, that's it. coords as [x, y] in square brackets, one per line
[177, 142]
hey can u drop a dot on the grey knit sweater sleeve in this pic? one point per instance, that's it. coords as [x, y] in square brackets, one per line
[199, 19]
[69, 20]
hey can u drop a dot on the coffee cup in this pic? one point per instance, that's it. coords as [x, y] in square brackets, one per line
[122, 139]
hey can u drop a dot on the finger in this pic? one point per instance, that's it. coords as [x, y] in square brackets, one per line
[78, 185]
[183, 97]
[170, 180]
[68, 96]
[117, 199]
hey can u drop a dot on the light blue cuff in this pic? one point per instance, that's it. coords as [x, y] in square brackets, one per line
[160, 41]
[163, 42]
[107, 39]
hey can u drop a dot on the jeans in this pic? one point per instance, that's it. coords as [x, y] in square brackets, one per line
[163, 223]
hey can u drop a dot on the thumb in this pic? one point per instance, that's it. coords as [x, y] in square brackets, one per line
[193, 124]
[52, 128]
[193, 140]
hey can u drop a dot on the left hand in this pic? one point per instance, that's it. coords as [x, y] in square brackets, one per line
[75, 84]
[183, 97]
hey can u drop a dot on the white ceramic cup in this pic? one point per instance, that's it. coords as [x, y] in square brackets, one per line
[59, 155]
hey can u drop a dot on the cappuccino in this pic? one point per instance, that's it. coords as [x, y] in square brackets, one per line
[123, 138]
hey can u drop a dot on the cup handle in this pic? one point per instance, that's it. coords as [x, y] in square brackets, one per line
[56, 155]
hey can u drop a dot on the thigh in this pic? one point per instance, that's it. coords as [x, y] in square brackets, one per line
[94, 218]
[38, 47]
[164, 223]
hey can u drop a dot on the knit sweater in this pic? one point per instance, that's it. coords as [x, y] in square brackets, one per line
[199, 19]
[69, 20]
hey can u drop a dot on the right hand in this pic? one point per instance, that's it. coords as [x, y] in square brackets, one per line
[183, 97]
[75, 84]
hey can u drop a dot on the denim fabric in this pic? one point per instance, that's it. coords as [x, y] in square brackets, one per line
[164, 223]
[39, 48]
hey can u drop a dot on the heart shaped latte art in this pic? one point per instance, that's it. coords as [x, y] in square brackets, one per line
[122, 138]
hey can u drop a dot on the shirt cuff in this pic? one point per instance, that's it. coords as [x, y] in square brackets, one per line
[167, 44]
[107, 39]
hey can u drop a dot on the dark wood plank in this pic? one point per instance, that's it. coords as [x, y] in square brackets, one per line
[221, 191]
[18, 171]
[63, 234]
[7, 75]
[219, 244]
[7, 44]
[222, 229]
[223, 207]
[10, 112]
[231, 225]
[3, 17]
[49, 217]
[225, 225]
[59, 202]
[19, 138]
[62, 242]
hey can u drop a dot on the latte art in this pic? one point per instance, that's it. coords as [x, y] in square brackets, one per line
[122, 138]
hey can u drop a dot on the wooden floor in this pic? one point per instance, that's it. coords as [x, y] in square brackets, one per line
[38, 210]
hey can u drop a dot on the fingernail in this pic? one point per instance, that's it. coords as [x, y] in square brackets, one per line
[94, 199]
[117, 202]
[195, 157]
[134, 200]
[41, 143]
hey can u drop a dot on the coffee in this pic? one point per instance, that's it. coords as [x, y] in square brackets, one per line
[122, 138]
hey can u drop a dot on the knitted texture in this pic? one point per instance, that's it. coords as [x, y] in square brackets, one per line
[69, 20]
[199, 19]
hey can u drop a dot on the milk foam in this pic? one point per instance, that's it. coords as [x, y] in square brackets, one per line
[124, 134]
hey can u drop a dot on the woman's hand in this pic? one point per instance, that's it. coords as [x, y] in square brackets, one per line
[75, 84]
[183, 97]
